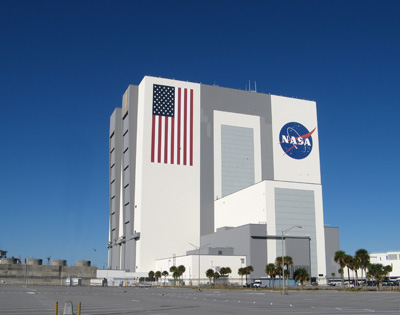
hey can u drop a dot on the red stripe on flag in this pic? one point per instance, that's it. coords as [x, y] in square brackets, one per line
[185, 130]
[153, 130]
[178, 145]
[159, 139]
[172, 139]
[191, 127]
[166, 141]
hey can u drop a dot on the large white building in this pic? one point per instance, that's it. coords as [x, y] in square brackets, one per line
[187, 159]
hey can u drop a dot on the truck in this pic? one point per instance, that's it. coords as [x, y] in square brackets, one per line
[98, 282]
[73, 282]
[260, 283]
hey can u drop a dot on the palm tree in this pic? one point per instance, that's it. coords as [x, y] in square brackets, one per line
[172, 269]
[175, 273]
[224, 271]
[356, 266]
[215, 276]
[271, 271]
[228, 270]
[249, 270]
[363, 257]
[301, 275]
[349, 265]
[165, 274]
[340, 258]
[158, 275]
[181, 269]
[278, 264]
[242, 272]
[288, 262]
[341, 271]
[378, 272]
[210, 274]
[151, 275]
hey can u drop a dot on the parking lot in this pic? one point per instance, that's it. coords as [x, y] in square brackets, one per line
[16, 300]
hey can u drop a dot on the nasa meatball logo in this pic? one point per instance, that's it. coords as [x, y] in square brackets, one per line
[296, 140]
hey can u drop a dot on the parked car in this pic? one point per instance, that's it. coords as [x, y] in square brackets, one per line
[260, 283]
[390, 283]
[334, 283]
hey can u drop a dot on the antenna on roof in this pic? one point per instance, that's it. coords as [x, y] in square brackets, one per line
[255, 86]
[249, 86]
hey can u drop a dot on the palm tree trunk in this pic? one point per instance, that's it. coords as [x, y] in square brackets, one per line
[342, 274]
[280, 278]
[365, 274]
[356, 277]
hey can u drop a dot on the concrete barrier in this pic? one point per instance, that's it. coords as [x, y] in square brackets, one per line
[8, 261]
[33, 261]
[83, 263]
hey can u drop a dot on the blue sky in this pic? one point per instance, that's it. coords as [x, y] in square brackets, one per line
[65, 64]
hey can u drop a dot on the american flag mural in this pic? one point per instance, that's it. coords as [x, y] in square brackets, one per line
[172, 125]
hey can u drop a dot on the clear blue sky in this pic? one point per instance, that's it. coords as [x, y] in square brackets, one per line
[65, 64]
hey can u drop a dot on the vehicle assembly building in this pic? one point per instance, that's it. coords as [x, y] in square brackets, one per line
[194, 165]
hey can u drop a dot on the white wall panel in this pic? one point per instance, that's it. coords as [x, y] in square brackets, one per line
[165, 192]
[285, 110]
[243, 207]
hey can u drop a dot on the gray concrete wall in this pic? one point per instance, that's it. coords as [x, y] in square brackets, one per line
[44, 274]
[115, 148]
[234, 101]
[297, 207]
[299, 250]
[331, 247]
[240, 240]
[237, 146]
[129, 178]
[123, 124]
[255, 250]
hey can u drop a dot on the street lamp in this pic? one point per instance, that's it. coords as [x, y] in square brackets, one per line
[283, 255]
[198, 248]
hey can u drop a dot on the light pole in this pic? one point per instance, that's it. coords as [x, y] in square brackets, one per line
[283, 255]
[198, 248]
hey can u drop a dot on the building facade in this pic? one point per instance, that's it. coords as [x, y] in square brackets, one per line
[388, 259]
[188, 158]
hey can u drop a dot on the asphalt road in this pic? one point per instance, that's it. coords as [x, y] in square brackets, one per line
[15, 300]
